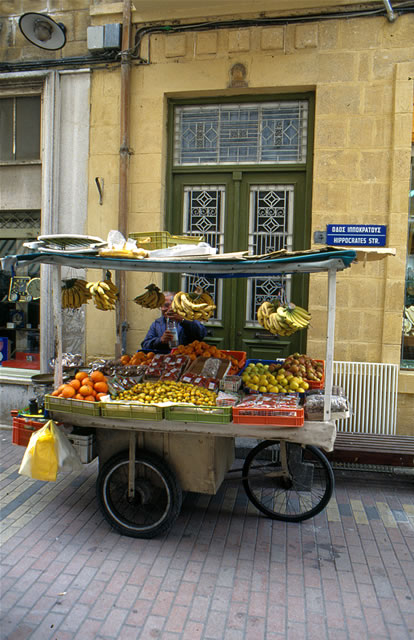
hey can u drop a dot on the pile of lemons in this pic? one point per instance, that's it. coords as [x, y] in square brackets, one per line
[257, 377]
[168, 391]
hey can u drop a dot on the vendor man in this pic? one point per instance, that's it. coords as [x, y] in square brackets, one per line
[158, 338]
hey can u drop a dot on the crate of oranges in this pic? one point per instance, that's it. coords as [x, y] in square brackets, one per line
[82, 394]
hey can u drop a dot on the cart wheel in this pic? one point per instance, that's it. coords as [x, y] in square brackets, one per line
[287, 481]
[157, 500]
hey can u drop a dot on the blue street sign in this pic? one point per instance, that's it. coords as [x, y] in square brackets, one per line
[362, 235]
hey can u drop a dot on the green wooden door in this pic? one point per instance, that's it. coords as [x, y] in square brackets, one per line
[239, 210]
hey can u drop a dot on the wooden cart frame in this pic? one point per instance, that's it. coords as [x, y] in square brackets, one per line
[145, 465]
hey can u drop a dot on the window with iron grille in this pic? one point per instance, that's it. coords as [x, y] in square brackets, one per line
[247, 133]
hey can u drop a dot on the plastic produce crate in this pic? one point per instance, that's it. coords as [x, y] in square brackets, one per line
[257, 360]
[276, 417]
[162, 239]
[199, 414]
[131, 411]
[239, 355]
[23, 429]
[313, 384]
[84, 445]
[230, 383]
[68, 405]
[317, 384]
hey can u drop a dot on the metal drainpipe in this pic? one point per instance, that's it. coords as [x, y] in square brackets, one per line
[390, 12]
[124, 151]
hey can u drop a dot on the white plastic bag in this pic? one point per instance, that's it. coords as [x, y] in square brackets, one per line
[68, 459]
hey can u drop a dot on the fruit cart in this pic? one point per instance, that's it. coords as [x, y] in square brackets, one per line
[146, 460]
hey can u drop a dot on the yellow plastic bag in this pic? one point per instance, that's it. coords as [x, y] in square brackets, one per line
[40, 460]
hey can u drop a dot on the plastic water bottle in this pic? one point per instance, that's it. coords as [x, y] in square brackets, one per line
[172, 326]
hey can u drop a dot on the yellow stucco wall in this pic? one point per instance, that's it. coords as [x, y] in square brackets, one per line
[362, 73]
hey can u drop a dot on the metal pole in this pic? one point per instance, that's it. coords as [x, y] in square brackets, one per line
[124, 151]
[330, 337]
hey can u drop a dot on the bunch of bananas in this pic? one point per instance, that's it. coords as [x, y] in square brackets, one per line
[74, 294]
[152, 298]
[193, 306]
[283, 320]
[104, 294]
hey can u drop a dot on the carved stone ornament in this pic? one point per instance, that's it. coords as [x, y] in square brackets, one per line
[238, 74]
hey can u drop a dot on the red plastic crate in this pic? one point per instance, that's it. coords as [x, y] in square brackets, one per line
[320, 384]
[277, 417]
[239, 355]
[23, 429]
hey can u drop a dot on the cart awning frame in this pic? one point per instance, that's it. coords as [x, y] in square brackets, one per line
[318, 262]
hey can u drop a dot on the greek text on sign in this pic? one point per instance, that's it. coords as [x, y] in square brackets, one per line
[363, 235]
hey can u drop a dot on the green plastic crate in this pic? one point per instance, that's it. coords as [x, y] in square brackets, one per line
[131, 411]
[162, 239]
[68, 405]
[199, 414]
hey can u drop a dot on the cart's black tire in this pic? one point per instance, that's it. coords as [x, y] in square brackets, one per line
[296, 498]
[157, 500]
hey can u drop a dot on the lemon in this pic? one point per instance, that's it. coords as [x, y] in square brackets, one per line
[293, 385]
[254, 387]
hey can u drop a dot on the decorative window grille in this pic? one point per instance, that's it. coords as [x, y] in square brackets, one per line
[270, 229]
[251, 133]
[204, 210]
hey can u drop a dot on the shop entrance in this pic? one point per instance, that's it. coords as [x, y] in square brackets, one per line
[239, 210]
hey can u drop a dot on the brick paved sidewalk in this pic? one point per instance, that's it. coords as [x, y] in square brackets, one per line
[223, 572]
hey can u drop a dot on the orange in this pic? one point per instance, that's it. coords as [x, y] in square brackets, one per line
[101, 387]
[75, 384]
[85, 390]
[87, 381]
[100, 395]
[68, 391]
[125, 359]
[81, 375]
[89, 398]
[60, 388]
[55, 393]
[79, 396]
[98, 376]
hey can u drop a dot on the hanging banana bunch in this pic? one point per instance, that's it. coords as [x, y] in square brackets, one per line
[198, 305]
[104, 293]
[153, 298]
[74, 293]
[282, 319]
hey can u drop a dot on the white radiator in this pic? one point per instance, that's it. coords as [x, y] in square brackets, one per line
[371, 389]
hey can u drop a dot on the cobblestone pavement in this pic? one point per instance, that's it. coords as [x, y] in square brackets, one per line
[223, 572]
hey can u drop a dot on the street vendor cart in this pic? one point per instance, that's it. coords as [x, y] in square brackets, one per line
[146, 460]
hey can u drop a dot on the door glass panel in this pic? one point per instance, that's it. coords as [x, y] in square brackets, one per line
[204, 211]
[247, 133]
[270, 229]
